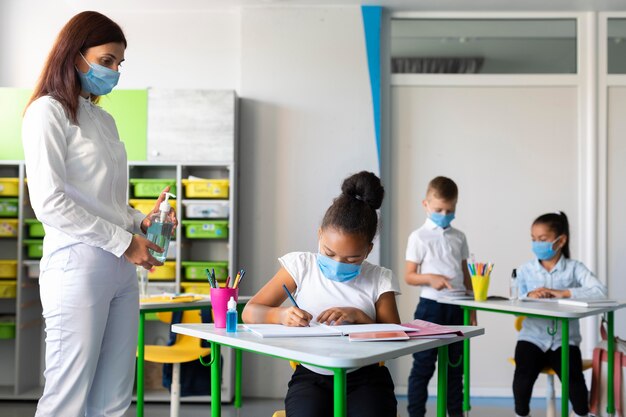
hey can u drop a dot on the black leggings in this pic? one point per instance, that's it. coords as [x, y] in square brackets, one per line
[370, 393]
[530, 360]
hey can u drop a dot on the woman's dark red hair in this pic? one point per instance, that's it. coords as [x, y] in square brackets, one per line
[58, 78]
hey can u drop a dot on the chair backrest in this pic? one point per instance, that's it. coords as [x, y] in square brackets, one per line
[518, 322]
[189, 316]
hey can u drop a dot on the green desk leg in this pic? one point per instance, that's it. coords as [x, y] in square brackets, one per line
[237, 378]
[340, 392]
[466, 365]
[564, 367]
[216, 389]
[442, 381]
[140, 362]
[610, 398]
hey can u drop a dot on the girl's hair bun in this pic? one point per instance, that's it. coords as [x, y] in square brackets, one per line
[364, 186]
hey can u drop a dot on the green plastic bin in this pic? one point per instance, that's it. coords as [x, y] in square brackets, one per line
[34, 248]
[7, 327]
[152, 187]
[8, 207]
[35, 228]
[206, 229]
[196, 271]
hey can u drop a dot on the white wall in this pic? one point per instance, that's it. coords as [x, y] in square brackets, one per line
[306, 124]
[181, 49]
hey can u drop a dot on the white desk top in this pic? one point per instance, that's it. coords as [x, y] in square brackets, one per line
[331, 352]
[205, 302]
[553, 309]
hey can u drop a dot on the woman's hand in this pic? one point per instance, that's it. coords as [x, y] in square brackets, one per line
[137, 252]
[343, 315]
[560, 293]
[293, 316]
[145, 224]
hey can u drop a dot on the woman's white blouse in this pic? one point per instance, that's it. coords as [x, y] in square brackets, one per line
[78, 177]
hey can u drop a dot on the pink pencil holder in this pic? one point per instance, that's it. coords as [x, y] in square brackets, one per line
[219, 304]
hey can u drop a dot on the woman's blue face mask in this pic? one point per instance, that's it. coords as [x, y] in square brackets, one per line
[545, 250]
[99, 80]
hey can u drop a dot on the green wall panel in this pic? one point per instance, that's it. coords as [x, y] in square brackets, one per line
[129, 108]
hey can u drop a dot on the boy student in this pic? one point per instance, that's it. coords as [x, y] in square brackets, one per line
[436, 260]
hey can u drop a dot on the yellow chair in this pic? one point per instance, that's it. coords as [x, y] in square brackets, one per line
[549, 372]
[185, 349]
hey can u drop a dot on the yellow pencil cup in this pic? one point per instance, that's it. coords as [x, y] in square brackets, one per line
[481, 286]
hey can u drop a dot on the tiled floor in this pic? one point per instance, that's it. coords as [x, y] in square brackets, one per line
[481, 407]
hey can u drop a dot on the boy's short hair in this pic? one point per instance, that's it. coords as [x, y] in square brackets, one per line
[443, 188]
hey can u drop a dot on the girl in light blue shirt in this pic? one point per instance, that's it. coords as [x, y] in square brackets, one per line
[552, 274]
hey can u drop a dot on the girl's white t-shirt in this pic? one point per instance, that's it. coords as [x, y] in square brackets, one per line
[316, 293]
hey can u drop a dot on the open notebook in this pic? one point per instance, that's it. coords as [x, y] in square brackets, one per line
[317, 329]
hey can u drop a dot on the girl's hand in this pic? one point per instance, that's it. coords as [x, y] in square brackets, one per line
[293, 316]
[137, 252]
[343, 315]
[439, 282]
[541, 293]
[145, 224]
[560, 293]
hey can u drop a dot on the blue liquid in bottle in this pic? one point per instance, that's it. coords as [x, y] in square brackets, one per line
[161, 234]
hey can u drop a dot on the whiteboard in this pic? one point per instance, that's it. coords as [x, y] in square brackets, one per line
[191, 125]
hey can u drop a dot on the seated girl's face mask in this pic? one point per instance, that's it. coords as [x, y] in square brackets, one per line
[337, 271]
[545, 250]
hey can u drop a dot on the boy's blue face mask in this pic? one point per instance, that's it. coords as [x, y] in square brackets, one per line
[98, 80]
[442, 220]
[337, 271]
[544, 250]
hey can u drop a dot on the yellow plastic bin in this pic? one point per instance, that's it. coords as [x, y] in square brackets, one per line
[206, 188]
[197, 270]
[146, 206]
[9, 187]
[7, 327]
[151, 187]
[206, 229]
[8, 289]
[8, 268]
[203, 288]
[8, 227]
[166, 272]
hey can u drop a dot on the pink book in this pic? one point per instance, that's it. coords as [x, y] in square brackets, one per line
[377, 336]
[428, 330]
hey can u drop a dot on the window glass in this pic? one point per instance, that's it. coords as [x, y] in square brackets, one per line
[616, 50]
[487, 46]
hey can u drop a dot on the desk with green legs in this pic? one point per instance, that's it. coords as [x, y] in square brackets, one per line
[152, 307]
[546, 310]
[336, 354]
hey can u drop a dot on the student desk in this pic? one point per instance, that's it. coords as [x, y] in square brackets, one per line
[334, 353]
[148, 307]
[544, 310]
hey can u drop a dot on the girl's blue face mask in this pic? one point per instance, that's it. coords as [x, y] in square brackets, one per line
[442, 220]
[337, 271]
[99, 80]
[544, 250]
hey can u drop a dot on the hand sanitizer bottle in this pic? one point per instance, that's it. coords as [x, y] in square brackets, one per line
[513, 294]
[231, 316]
[160, 230]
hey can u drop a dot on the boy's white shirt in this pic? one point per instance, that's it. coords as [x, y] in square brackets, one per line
[438, 251]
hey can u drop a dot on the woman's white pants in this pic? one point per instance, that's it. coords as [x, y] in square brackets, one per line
[91, 308]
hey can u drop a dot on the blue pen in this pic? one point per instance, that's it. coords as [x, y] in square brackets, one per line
[290, 296]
